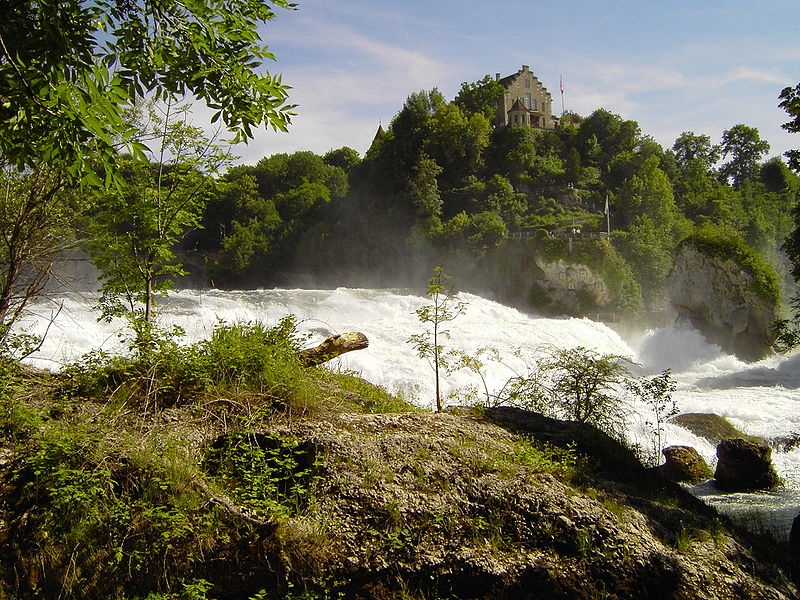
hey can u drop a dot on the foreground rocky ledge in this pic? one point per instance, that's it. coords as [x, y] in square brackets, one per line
[442, 504]
[417, 505]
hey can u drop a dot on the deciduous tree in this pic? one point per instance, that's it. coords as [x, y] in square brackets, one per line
[745, 148]
[134, 229]
[69, 70]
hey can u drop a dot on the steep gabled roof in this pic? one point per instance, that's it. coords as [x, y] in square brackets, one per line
[518, 105]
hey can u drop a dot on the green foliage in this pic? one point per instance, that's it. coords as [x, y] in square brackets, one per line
[85, 499]
[745, 148]
[790, 102]
[134, 229]
[361, 395]
[444, 308]
[70, 70]
[265, 208]
[726, 244]
[267, 473]
[480, 97]
[564, 463]
[37, 218]
[690, 147]
[582, 386]
[656, 392]
[246, 357]
[423, 189]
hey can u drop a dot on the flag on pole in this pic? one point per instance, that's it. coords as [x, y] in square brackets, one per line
[561, 84]
[605, 210]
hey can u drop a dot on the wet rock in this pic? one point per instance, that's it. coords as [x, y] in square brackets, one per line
[708, 426]
[684, 464]
[744, 465]
[794, 537]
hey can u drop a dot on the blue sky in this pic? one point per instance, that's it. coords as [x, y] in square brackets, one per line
[673, 66]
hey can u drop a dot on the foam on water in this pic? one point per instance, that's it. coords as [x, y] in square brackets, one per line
[761, 399]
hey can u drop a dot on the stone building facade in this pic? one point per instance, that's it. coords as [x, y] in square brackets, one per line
[526, 102]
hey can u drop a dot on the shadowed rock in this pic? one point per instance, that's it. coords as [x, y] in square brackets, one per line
[744, 465]
[684, 464]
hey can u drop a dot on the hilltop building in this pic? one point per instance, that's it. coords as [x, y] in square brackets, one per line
[526, 102]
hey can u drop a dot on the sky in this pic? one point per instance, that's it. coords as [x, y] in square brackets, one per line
[672, 66]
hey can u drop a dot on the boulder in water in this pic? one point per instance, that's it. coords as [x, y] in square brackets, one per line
[684, 464]
[794, 536]
[744, 465]
[708, 426]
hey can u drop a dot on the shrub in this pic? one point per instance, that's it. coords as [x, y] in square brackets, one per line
[245, 357]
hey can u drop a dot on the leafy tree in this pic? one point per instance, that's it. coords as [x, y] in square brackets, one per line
[648, 192]
[135, 229]
[37, 214]
[345, 158]
[656, 392]
[423, 189]
[581, 385]
[444, 308]
[790, 102]
[572, 166]
[648, 250]
[690, 147]
[603, 135]
[745, 148]
[510, 152]
[70, 70]
[480, 97]
[456, 142]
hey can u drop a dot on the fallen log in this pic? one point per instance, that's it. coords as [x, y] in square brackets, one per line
[334, 346]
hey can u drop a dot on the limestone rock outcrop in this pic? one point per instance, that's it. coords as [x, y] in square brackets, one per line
[744, 465]
[568, 286]
[720, 299]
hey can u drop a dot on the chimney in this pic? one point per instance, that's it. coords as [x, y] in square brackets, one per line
[497, 76]
[525, 68]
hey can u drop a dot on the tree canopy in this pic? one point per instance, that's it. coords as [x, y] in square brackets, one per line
[69, 70]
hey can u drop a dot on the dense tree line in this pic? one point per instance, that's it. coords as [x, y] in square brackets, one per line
[442, 181]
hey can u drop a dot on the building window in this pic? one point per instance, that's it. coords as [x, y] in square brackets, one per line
[527, 83]
[528, 100]
[533, 104]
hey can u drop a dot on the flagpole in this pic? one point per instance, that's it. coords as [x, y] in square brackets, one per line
[608, 219]
[561, 87]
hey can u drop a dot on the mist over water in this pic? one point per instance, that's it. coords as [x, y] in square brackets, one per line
[761, 399]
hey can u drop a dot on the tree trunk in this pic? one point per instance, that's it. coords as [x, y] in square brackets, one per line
[332, 347]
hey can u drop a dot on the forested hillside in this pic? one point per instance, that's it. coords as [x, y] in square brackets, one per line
[442, 185]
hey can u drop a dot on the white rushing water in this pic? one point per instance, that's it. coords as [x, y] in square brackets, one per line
[761, 399]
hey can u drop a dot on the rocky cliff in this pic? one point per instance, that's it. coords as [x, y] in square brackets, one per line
[722, 300]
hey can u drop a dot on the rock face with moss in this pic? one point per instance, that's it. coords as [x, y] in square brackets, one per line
[727, 292]
[555, 276]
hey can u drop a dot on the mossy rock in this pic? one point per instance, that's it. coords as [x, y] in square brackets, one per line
[684, 464]
[711, 427]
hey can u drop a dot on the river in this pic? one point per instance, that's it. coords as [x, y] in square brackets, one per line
[761, 399]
